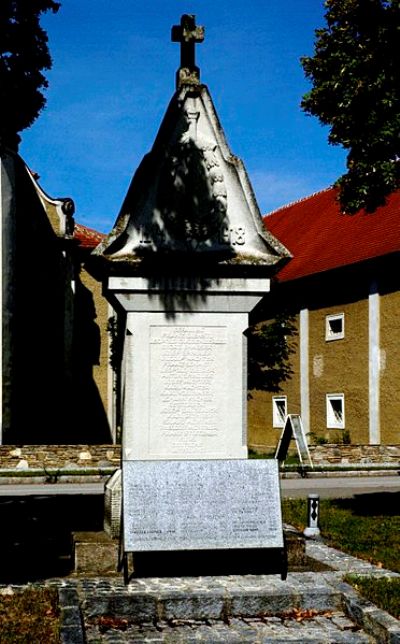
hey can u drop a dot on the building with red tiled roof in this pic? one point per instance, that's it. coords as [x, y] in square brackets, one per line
[342, 288]
[87, 238]
[321, 238]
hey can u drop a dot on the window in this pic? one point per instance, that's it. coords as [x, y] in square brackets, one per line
[279, 406]
[334, 327]
[335, 411]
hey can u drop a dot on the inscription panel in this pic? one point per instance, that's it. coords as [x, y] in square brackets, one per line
[227, 235]
[187, 401]
[200, 505]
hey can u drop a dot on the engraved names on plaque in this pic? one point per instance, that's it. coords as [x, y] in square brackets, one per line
[187, 402]
[200, 505]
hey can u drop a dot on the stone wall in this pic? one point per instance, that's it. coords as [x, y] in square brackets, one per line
[76, 457]
[68, 457]
[355, 454]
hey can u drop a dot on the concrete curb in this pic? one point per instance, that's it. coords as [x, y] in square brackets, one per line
[384, 628]
[84, 474]
[340, 473]
[376, 622]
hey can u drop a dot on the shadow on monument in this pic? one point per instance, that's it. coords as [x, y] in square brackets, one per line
[260, 561]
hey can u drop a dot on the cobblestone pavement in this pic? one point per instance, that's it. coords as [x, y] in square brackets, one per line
[329, 627]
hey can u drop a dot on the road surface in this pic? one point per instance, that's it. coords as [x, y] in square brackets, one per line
[327, 487]
[336, 488]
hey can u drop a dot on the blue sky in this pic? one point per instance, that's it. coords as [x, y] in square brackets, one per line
[114, 73]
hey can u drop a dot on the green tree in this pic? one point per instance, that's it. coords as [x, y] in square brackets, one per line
[269, 350]
[355, 72]
[23, 56]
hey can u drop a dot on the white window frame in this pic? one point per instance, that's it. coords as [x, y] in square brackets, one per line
[329, 333]
[333, 421]
[278, 420]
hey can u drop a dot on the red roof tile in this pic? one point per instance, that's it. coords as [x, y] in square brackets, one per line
[320, 237]
[87, 237]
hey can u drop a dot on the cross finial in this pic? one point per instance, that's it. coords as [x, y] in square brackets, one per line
[188, 34]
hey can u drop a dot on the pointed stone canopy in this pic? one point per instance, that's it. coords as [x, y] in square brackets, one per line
[190, 194]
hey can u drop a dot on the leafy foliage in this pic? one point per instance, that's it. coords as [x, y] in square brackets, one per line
[269, 350]
[23, 56]
[355, 73]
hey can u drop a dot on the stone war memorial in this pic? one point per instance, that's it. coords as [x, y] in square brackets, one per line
[187, 260]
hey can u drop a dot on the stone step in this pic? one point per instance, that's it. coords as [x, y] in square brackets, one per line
[307, 607]
[200, 598]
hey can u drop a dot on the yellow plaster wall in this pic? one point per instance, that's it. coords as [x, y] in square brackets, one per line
[340, 366]
[262, 436]
[101, 372]
[52, 214]
[390, 367]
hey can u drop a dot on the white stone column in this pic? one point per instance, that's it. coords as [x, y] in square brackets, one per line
[304, 370]
[374, 364]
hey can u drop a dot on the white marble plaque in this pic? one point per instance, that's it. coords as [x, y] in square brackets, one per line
[187, 402]
[201, 505]
[184, 387]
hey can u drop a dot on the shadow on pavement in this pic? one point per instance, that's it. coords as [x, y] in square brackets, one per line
[35, 539]
[372, 504]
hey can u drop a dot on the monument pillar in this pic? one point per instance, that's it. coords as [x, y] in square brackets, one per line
[187, 260]
[185, 364]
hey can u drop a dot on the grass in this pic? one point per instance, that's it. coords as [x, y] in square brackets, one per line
[366, 527]
[291, 459]
[29, 615]
[384, 592]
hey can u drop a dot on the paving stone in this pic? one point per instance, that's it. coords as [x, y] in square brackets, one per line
[71, 616]
[71, 635]
[315, 630]
[197, 606]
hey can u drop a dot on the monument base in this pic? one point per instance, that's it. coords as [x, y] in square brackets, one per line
[198, 563]
[94, 553]
[212, 517]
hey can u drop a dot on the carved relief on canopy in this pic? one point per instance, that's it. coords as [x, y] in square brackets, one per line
[192, 195]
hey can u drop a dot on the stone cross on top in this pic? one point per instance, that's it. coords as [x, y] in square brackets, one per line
[188, 34]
